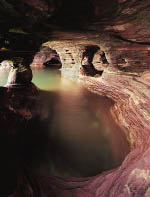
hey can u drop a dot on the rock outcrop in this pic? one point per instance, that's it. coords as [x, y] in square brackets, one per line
[16, 110]
[19, 75]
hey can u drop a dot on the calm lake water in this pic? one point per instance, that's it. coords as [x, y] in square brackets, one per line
[83, 138]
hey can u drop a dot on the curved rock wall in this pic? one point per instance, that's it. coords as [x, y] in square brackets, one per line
[125, 79]
[127, 83]
[125, 42]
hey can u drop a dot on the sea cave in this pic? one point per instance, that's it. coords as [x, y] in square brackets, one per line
[74, 98]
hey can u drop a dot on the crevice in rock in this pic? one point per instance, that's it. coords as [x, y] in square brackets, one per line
[100, 61]
[130, 41]
[88, 68]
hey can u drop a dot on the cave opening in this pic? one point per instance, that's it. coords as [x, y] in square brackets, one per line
[46, 58]
[93, 60]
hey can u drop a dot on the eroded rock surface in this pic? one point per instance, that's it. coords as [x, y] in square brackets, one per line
[123, 40]
[46, 57]
[125, 79]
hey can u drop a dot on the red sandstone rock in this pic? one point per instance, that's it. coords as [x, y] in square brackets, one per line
[126, 79]
[128, 86]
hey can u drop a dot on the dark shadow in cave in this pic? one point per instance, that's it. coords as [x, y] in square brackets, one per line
[103, 58]
[53, 63]
[88, 68]
[20, 48]
[73, 14]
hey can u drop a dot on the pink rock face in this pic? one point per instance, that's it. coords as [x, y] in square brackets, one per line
[128, 86]
[132, 23]
[131, 110]
[126, 80]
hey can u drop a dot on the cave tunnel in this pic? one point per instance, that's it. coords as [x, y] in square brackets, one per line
[48, 58]
[105, 47]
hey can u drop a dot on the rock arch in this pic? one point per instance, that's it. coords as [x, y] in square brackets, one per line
[79, 58]
[46, 57]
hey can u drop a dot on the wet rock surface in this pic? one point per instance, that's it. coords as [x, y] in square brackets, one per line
[124, 39]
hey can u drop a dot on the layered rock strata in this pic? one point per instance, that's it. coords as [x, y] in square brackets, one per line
[123, 56]
[125, 79]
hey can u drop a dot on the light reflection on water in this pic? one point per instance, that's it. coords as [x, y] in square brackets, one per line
[84, 139]
[3, 77]
[46, 79]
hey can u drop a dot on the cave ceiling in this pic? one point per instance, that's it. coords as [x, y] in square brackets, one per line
[70, 14]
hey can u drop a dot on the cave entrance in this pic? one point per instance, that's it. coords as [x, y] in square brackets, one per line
[47, 58]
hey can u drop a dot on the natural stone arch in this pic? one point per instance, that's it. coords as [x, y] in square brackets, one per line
[77, 57]
[70, 54]
[46, 57]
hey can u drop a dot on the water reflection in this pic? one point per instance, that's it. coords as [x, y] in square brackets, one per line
[46, 79]
[3, 76]
[71, 133]
[81, 138]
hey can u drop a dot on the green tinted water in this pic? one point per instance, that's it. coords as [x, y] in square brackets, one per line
[45, 79]
[83, 136]
[3, 77]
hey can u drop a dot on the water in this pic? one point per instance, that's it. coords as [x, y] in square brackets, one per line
[45, 79]
[75, 132]
[3, 77]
